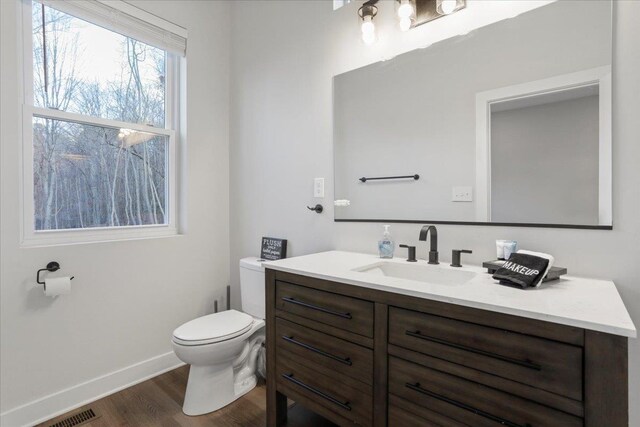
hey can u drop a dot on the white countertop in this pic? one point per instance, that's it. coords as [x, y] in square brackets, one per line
[573, 301]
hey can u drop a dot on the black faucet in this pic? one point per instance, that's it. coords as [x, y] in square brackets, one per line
[412, 253]
[433, 251]
[455, 256]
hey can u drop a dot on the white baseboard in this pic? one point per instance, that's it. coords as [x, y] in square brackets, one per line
[68, 399]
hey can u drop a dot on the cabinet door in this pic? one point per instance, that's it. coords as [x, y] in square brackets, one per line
[469, 402]
[303, 382]
[305, 344]
[351, 314]
[540, 363]
[407, 414]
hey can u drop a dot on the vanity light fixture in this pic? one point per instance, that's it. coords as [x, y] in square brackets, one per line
[406, 13]
[445, 7]
[411, 13]
[367, 12]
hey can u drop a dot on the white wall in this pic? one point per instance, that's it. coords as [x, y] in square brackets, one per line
[284, 55]
[544, 163]
[127, 296]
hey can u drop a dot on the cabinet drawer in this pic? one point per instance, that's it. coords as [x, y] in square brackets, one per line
[469, 402]
[302, 381]
[335, 354]
[351, 314]
[540, 363]
[406, 414]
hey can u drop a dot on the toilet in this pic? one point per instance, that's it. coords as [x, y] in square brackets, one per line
[222, 348]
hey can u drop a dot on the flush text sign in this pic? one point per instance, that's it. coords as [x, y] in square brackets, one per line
[273, 248]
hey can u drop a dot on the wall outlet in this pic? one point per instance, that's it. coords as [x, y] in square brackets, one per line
[318, 187]
[462, 194]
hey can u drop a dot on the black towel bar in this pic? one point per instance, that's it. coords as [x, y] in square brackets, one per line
[365, 179]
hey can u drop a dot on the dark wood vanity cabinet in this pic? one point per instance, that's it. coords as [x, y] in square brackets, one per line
[359, 356]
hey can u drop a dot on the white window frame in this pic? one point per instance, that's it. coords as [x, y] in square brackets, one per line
[30, 236]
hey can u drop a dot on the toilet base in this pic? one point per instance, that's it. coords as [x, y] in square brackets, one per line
[211, 387]
[245, 386]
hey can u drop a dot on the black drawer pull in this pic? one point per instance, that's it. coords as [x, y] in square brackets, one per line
[524, 363]
[416, 387]
[343, 405]
[345, 360]
[315, 307]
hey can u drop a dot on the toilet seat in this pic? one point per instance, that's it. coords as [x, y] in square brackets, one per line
[213, 328]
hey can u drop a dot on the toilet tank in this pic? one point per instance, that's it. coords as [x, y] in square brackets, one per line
[252, 288]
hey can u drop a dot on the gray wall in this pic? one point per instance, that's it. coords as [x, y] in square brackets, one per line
[544, 167]
[284, 55]
[416, 113]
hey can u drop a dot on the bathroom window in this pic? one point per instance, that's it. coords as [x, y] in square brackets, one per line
[100, 110]
[337, 4]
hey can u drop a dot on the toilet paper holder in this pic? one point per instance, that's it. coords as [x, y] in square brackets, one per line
[52, 266]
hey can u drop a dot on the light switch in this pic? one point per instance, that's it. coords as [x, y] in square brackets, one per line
[462, 194]
[318, 187]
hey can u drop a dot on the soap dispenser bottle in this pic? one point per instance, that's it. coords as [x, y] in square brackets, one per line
[386, 245]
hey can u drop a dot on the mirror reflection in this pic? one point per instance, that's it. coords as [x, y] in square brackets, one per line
[521, 134]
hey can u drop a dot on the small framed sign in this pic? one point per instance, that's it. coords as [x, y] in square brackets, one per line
[273, 249]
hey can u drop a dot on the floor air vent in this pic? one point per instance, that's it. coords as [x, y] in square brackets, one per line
[77, 419]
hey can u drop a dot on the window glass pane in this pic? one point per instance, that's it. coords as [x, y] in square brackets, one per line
[88, 176]
[89, 70]
[337, 4]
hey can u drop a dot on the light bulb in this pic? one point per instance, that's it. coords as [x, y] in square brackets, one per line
[368, 30]
[368, 27]
[405, 24]
[405, 10]
[369, 38]
[448, 6]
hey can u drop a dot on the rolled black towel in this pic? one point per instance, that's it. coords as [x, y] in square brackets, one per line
[522, 270]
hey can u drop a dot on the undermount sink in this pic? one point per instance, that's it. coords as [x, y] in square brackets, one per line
[431, 274]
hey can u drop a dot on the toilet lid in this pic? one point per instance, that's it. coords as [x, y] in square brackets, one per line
[213, 328]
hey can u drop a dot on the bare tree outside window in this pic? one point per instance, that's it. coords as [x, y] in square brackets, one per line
[88, 176]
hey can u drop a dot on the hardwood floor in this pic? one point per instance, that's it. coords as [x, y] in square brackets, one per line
[158, 402]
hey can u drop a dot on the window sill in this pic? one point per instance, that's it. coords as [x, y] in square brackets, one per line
[103, 235]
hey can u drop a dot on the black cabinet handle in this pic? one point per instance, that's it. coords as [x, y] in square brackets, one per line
[416, 387]
[317, 308]
[345, 360]
[524, 363]
[343, 405]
